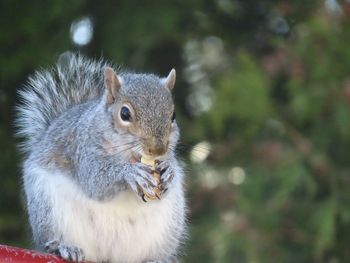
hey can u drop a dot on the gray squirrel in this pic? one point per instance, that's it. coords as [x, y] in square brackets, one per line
[83, 125]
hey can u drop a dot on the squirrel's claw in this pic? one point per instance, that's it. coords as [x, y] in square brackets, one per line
[158, 197]
[141, 181]
[51, 246]
[146, 167]
[167, 178]
[166, 174]
[69, 253]
[143, 198]
[145, 172]
[162, 166]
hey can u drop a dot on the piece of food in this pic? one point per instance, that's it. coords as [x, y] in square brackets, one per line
[157, 190]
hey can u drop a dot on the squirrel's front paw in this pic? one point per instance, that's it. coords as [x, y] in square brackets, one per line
[69, 253]
[166, 173]
[142, 181]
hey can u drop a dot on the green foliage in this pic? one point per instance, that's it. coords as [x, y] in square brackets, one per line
[236, 91]
[275, 75]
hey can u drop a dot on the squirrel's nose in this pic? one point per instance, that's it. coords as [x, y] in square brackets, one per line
[157, 150]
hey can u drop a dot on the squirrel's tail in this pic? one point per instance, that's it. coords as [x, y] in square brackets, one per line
[48, 93]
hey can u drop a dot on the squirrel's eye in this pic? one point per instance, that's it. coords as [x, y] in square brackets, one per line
[173, 117]
[125, 114]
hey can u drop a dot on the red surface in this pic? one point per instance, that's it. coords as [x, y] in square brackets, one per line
[19, 255]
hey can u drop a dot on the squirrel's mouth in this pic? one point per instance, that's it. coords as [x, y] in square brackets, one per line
[135, 157]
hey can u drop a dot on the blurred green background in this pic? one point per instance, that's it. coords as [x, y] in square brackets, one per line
[263, 101]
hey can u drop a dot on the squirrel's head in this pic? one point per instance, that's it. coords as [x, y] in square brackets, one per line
[142, 108]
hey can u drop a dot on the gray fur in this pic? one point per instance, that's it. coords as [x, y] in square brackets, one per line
[68, 126]
[49, 93]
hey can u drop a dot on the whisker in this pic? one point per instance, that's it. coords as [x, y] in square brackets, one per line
[112, 129]
[122, 145]
[124, 150]
[138, 148]
[118, 146]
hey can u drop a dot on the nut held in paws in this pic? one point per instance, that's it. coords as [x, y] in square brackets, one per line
[157, 190]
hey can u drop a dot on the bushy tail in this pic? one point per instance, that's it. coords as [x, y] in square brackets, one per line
[48, 93]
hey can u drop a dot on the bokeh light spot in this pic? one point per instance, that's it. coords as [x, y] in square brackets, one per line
[82, 31]
[237, 175]
[200, 152]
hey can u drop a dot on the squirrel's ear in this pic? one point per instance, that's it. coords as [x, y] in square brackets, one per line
[112, 84]
[169, 82]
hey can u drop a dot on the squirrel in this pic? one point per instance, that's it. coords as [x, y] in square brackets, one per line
[85, 128]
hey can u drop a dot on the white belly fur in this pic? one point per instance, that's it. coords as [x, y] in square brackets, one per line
[124, 229]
